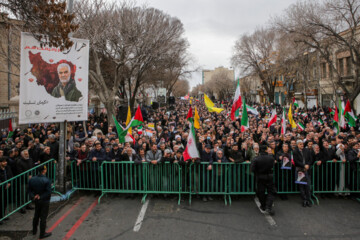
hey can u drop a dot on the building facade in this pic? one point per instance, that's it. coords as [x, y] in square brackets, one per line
[208, 74]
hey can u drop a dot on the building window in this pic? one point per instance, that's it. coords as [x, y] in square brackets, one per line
[348, 66]
[314, 72]
[323, 70]
[341, 66]
[330, 70]
[326, 100]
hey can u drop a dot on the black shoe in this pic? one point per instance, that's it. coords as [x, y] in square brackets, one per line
[283, 197]
[22, 211]
[28, 207]
[270, 212]
[304, 204]
[262, 210]
[308, 204]
[45, 235]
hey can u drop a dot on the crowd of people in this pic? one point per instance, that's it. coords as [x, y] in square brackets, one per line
[163, 138]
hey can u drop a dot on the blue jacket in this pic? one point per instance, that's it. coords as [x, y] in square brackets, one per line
[207, 157]
[100, 155]
[40, 185]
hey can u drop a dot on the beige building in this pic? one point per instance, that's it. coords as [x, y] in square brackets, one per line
[250, 87]
[208, 74]
[9, 61]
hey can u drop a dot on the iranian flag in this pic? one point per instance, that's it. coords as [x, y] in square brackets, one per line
[349, 114]
[11, 131]
[140, 130]
[237, 101]
[295, 102]
[301, 126]
[244, 118]
[273, 118]
[331, 111]
[342, 114]
[252, 110]
[283, 122]
[320, 121]
[292, 159]
[191, 150]
[336, 121]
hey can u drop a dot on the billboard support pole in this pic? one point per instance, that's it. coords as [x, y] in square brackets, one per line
[63, 133]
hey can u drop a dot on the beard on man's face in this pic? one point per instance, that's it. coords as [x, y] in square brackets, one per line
[65, 80]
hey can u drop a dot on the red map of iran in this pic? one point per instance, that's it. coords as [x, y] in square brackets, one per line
[57, 78]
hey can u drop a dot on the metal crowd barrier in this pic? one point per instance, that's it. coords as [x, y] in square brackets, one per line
[86, 175]
[191, 179]
[336, 177]
[122, 177]
[209, 182]
[14, 193]
[241, 179]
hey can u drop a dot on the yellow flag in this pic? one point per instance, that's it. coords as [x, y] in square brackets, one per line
[291, 120]
[196, 119]
[210, 105]
[128, 119]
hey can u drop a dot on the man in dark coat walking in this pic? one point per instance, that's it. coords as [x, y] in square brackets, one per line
[262, 166]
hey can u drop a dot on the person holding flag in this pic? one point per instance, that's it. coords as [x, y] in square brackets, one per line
[237, 102]
[303, 161]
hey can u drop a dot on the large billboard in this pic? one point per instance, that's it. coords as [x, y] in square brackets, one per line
[53, 83]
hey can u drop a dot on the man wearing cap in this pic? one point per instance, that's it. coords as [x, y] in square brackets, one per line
[262, 167]
[40, 192]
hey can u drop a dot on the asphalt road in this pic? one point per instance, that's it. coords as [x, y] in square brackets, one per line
[117, 218]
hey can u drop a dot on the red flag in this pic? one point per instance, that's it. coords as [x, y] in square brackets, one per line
[138, 116]
[190, 114]
[336, 116]
[347, 107]
[10, 126]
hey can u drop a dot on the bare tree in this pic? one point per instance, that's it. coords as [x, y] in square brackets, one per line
[221, 84]
[136, 41]
[256, 53]
[46, 19]
[181, 88]
[328, 27]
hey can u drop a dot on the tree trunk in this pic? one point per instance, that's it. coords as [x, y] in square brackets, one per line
[110, 108]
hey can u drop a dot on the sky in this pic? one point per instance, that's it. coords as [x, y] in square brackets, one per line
[212, 27]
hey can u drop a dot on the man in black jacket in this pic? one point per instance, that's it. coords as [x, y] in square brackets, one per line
[303, 161]
[262, 166]
[5, 174]
[40, 192]
[352, 157]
